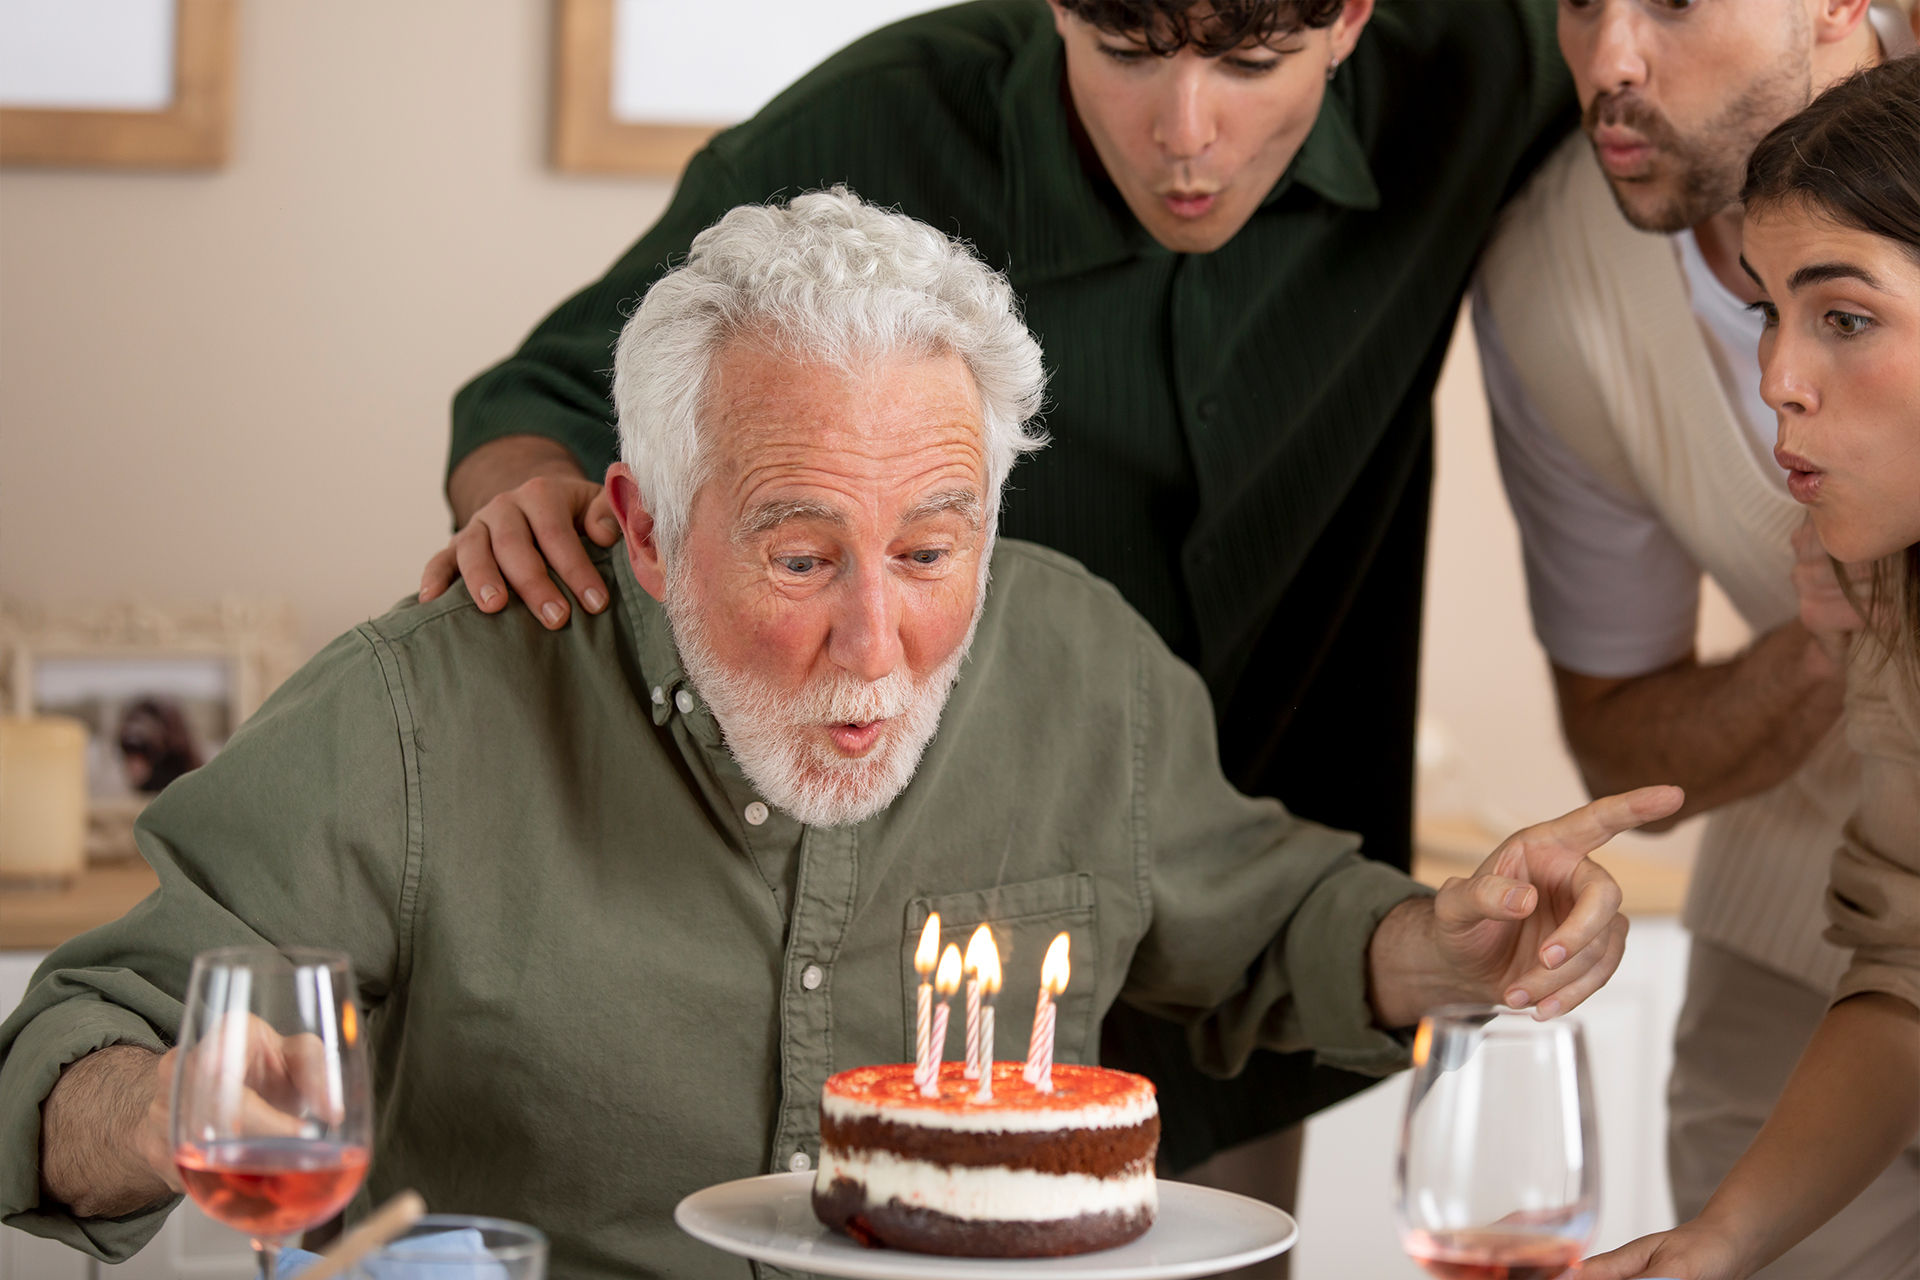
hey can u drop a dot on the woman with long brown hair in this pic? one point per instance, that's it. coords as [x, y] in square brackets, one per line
[1832, 238]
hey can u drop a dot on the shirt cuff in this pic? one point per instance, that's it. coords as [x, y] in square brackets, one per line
[64, 1033]
[1329, 938]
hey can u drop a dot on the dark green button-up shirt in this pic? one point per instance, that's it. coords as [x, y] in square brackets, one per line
[595, 985]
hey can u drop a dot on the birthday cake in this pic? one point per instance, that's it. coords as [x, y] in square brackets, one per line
[1025, 1174]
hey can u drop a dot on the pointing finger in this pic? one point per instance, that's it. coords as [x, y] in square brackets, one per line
[1592, 825]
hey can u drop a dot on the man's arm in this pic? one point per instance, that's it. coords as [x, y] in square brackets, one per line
[298, 834]
[1725, 730]
[533, 434]
[103, 1134]
[1269, 931]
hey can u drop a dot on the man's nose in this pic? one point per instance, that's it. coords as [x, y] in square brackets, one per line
[1618, 57]
[1186, 124]
[866, 624]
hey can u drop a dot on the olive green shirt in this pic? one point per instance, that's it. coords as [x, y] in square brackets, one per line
[596, 985]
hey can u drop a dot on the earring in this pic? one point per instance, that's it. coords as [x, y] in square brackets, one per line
[1333, 66]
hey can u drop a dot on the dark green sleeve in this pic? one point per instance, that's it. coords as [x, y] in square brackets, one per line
[559, 383]
[297, 834]
[1261, 920]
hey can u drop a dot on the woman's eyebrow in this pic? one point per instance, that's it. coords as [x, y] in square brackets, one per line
[1819, 272]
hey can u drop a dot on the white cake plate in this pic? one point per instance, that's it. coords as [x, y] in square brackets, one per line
[1198, 1232]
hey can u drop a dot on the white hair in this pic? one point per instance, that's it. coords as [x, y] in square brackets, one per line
[828, 278]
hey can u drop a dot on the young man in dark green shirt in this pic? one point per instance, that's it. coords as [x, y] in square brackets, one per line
[1241, 232]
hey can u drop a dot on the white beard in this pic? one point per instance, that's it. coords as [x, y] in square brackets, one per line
[777, 737]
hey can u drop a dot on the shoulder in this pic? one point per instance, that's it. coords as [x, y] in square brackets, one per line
[951, 61]
[1489, 56]
[1048, 612]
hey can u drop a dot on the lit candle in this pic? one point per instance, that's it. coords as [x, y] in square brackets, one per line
[981, 940]
[1053, 981]
[946, 982]
[989, 981]
[924, 958]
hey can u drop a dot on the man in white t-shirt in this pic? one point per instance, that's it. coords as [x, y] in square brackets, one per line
[1621, 365]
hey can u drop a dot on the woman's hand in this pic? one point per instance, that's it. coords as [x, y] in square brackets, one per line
[1689, 1252]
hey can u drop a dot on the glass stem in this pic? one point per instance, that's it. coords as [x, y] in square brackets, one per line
[268, 1252]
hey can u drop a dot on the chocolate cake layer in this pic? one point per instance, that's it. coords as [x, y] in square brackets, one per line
[1099, 1153]
[843, 1207]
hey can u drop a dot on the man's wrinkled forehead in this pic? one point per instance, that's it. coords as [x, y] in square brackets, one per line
[793, 439]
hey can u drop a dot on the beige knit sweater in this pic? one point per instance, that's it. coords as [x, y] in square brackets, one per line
[1597, 320]
[1874, 898]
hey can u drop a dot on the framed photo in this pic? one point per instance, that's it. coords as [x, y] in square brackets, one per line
[640, 85]
[116, 83]
[160, 690]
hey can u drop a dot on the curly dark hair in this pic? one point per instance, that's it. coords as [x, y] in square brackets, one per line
[1169, 26]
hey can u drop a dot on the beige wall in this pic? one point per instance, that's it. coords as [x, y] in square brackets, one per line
[238, 383]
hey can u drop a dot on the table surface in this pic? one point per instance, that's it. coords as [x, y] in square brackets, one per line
[36, 917]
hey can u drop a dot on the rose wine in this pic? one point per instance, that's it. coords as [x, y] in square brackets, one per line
[1493, 1255]
[272, 1187]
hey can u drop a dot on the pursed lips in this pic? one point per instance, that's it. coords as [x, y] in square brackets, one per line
[856, 740]
[1803, 477]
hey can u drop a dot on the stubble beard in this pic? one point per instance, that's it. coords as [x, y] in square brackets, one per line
[776, 735]
[1703, 173]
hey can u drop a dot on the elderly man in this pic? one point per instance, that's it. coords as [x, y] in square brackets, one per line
[1621, 355]
[1242, 229]
[620, 899]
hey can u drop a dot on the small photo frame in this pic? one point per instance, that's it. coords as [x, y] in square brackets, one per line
[159, 689]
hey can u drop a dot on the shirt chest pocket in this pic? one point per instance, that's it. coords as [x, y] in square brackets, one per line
[1024, 918]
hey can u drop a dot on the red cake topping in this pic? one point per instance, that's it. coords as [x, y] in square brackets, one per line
[1074, 1088]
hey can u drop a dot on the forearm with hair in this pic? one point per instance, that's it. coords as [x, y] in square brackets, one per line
[1851, 1104]
[1722, 731]
[96, 1134]
[503, 464]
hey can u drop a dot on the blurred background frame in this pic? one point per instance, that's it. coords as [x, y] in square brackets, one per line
[144, 84]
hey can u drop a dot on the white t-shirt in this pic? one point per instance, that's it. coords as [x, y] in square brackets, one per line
[1613, 592]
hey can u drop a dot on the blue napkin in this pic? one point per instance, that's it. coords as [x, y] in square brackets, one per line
[475, 1266]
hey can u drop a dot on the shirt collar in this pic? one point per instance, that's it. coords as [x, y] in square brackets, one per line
[1062, 224]
[666, 685]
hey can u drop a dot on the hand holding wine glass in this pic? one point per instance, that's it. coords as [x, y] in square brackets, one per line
[271, 1116]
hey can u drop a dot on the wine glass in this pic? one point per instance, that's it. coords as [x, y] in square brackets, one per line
[272, 1119]
[1499, 1171]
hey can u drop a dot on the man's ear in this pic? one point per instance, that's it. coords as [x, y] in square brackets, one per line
[636, 522]
[1059, 18]
[1835, 20]
[1348, 26]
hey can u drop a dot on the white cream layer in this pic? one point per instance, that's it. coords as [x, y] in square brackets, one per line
[988, 1195]
[1136, 1109]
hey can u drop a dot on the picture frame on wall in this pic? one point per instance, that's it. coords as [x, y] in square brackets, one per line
[640, 85]
[140, 84]
[159, 690]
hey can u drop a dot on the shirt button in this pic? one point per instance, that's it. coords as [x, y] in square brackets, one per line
[756, 813]
[811, 977]
[659, 696]
[1209, 408]
[684, 701]
[800, 1162]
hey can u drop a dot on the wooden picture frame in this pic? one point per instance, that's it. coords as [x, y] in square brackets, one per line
[586, 136]
[256, 640]
[192, 133]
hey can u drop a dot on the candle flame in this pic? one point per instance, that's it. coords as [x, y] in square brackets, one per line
[983, 960]
[1054, 969]
[928, 951]
[947, 981]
